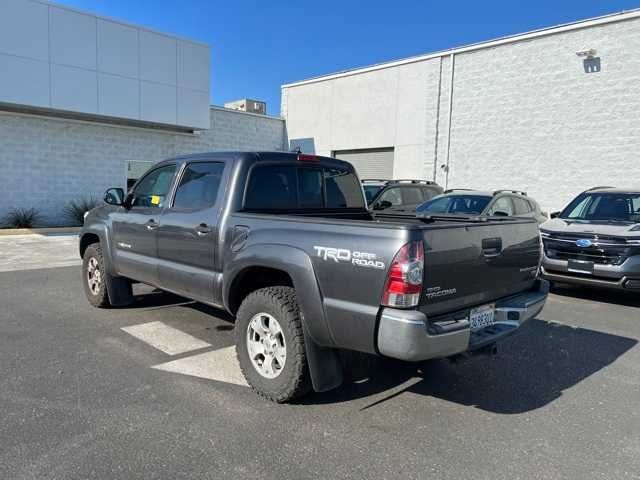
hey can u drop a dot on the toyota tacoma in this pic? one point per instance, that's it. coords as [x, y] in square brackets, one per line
[286, 244]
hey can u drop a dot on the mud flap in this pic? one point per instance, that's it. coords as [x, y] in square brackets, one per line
[119, 290]
[324, 365]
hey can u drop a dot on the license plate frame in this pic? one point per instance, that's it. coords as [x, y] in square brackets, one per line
[482, 317]
[580, 266]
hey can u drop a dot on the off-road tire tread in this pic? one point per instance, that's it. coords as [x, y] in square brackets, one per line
[283, 299]
[101, 300]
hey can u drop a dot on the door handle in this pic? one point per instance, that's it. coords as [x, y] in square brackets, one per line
[203, 229]
[151, 224]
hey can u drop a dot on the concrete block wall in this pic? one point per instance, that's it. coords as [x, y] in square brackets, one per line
[47, 162]
[525, 113]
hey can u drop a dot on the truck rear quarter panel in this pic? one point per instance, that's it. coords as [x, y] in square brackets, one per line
[347, 261]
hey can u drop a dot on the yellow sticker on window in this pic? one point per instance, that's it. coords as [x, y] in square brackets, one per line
[155, 199]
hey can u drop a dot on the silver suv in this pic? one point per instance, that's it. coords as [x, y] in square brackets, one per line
[499, 203]
[595, 240]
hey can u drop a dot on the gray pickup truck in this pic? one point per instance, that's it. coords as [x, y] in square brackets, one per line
[285, 243]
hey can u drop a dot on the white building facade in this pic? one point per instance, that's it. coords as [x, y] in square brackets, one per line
[551, 112]
[88, 103]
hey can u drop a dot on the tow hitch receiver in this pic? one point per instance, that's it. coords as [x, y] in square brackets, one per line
[490, 350]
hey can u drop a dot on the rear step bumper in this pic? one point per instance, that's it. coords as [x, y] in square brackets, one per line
[403, 334]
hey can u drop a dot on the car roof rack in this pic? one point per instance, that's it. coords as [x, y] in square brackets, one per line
[598, 188]
[519, 192]
[459, 190]
[374, 180]
[412, 180]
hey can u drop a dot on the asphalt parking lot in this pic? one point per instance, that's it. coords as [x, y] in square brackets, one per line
[152, 391]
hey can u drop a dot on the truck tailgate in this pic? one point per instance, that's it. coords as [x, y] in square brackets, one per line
[478, 263]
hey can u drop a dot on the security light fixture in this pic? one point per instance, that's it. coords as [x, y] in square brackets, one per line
[589, 53]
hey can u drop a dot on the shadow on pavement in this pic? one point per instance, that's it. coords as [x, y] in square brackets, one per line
[154, 299]
[531, 370]
[618, 297]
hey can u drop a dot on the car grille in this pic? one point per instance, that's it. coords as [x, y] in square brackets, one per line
[603, 251]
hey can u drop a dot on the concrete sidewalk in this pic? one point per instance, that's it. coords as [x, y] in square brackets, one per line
[29, 252]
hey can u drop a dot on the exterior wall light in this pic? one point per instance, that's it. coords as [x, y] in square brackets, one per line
[591, 63]
[590, 53]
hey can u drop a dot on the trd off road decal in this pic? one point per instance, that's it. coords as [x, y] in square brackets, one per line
[359, 259]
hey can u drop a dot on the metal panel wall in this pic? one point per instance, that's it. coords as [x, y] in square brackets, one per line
[56, 57]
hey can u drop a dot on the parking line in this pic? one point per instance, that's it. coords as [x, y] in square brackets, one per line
[165, 338]
[220, 365]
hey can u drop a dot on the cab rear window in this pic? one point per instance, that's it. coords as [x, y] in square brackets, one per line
[287, 187]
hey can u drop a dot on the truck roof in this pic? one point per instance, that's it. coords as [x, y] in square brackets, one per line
[259, 156]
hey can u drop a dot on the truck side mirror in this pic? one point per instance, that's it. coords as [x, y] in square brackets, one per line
[500, 213]
[114, 196]
[554, 214]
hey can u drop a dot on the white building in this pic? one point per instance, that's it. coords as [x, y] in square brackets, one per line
[88, 102]
[552, 112]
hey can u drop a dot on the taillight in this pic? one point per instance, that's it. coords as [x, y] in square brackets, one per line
[302, 157]
[404, 281]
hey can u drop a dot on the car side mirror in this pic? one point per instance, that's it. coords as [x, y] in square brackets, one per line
[114, 196]
[500, 213]
[384, 204]
[554, 214]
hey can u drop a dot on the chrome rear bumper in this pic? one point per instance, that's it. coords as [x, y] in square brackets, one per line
[404, 334]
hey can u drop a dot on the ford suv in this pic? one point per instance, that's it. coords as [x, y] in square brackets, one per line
[595, 240]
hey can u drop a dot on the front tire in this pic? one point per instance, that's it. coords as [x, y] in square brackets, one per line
[94, 277]
[270, 344]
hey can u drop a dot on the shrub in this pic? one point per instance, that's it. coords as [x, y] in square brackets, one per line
[76, 209]
[21, 218]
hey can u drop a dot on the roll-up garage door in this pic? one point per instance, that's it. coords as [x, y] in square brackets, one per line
[369, 163]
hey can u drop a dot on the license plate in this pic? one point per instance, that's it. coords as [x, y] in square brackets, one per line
[580, 266]
[482, 317]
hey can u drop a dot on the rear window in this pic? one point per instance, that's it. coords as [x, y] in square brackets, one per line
[286, 187]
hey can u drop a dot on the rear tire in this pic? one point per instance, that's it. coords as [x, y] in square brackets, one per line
[270, 344]
[94, 277]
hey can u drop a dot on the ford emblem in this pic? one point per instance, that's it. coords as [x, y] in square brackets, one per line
[583, 243]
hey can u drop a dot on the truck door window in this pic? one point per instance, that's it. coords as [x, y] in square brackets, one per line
[152, 190]
[198, 188]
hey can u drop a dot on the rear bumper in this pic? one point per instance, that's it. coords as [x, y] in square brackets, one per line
[405, 334]
[618, 277]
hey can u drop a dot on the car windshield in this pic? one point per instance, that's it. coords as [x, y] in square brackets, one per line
[461, 204]
[370, 191]
[604, 206]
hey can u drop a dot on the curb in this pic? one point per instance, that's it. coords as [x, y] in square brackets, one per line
[38, 231]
